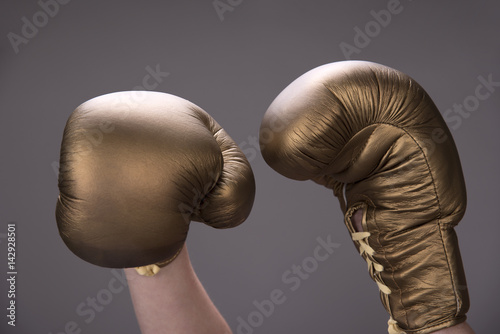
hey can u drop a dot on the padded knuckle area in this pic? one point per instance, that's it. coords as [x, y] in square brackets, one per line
[229, 202]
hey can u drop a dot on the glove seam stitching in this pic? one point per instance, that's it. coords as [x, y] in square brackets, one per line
[453, 281]
[446, 252]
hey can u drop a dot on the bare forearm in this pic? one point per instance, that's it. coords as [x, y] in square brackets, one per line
[174, 301]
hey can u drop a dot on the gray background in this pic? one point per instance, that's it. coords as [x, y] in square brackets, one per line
[233, 68]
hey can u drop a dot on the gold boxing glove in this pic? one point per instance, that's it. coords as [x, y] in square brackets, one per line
[136, 168]
[374, 136]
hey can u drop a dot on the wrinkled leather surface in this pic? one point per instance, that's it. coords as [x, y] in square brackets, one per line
[376, 131]
[135, 168]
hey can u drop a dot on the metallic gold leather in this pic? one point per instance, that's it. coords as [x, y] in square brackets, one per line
[135, 168]
[376, 131]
